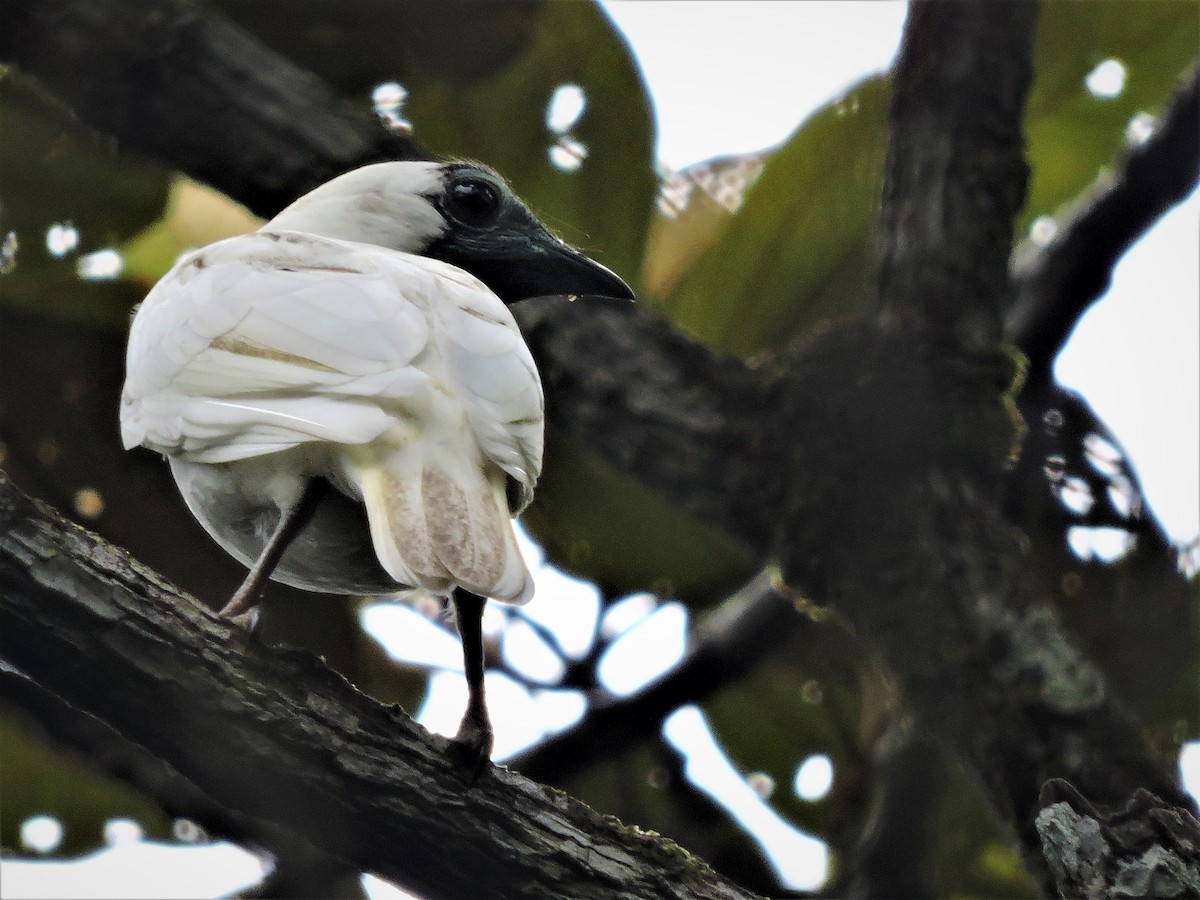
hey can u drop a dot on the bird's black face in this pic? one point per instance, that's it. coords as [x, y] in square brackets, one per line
[492, 235]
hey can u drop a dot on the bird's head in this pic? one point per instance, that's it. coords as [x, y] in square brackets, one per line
[460, 213]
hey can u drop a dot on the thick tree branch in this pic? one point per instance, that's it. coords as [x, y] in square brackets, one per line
[955, 171]
[276, 735]
[176, 82]
[911, 412]
[890, 446]
[690, 422]
[1057, 285]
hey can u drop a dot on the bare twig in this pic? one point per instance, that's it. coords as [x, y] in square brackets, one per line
[726, 646]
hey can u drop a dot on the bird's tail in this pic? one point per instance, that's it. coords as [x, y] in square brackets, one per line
[438, 520]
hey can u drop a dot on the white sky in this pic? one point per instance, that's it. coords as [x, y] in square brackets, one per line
[736, 76]
[731, 77]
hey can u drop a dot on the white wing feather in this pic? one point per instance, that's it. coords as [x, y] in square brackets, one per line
[307, 326]
[258, 342]
[263, 342]
[498, 382]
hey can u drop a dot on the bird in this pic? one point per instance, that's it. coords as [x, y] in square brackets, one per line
[345, 400]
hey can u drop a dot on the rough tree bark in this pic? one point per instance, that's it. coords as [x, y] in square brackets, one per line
[1148, 849]
[276, 735]
[903, 534]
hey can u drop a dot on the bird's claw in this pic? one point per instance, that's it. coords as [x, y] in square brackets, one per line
[246, 621]
[471, 748]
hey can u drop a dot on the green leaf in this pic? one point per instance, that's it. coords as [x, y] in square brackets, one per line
[195, 215]
[1074, 136]
[479, 78]
[695, 206]
[53, 171]
[971, 855]
[796, 253]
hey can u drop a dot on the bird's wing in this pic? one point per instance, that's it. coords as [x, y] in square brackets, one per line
[269, 340]
[438, 508]
[494, 374]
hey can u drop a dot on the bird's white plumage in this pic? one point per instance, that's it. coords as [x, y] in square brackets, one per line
[279, 340]
[385, 204]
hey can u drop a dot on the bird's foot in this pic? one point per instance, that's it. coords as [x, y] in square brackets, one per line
[244, 600]
[246, 621]
[242, 613]
[471, 748]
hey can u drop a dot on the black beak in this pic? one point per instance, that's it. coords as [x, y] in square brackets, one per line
[546, 269]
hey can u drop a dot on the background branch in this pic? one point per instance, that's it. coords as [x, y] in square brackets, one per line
[691, 418]
[176, 82]
[916, 552]
[726, 645]
[1056, 285]
[956, 174]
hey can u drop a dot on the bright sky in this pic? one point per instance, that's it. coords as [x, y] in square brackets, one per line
[731, 77]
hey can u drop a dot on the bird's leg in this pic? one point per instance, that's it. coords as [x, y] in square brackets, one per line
[291, 521]
[474, 738]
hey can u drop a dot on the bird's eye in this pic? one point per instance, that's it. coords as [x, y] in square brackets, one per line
[474, 202]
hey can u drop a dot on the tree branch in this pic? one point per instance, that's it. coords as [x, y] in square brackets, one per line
[1057, 285]
[177, 82]
[956, 174]
[903, 532]
[725, 647]
[276, 735]
[691, 422]
[900, 531]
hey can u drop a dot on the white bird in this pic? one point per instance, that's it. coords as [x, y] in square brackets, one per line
[345, 400]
